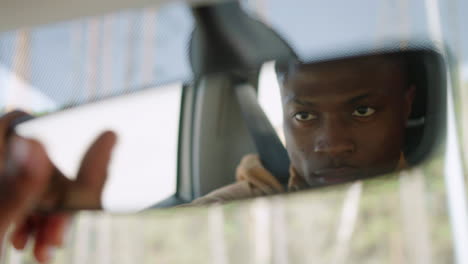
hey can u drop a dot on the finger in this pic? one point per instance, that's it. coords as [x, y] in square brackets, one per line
[95, 162]
[24, 230]
[250, 161]
[41, 251]
[258, 175]
[52, 232]
[261, 186]
[7, 120]
[22, 183]
[240, 175]
[21, 233]
[87, 189]
[269, 179]
[50, 235]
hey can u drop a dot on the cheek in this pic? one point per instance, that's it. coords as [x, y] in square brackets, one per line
[296, 140]
[380, 142]
[293, 146]
[299, 145]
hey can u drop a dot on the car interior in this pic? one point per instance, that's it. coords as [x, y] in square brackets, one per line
[193, 87]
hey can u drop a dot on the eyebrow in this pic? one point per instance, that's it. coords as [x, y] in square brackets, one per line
[300, 101]
[359, 98]
[294, 99]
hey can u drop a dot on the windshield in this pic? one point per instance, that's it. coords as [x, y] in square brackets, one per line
[75, 62]
[58, 66]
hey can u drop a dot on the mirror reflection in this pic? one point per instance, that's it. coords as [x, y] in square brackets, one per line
[342, 120]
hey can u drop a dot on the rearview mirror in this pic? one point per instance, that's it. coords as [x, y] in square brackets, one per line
[360, 116]
[343, 119]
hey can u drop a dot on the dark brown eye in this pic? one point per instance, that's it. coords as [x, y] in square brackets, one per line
[363, 111]
[304, 116]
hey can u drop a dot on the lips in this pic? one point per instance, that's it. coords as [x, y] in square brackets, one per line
[335, 174]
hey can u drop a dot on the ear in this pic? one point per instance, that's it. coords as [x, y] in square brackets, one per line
[409, 98]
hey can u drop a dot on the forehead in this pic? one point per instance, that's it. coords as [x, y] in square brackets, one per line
[376, 74]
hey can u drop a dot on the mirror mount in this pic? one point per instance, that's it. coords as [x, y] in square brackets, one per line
[227, 39]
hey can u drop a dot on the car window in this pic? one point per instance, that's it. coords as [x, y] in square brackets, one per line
[75, 62]
[269, 97]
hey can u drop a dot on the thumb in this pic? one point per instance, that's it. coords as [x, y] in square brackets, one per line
[87, 189]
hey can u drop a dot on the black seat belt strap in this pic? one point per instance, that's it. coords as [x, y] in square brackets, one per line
[272, 153]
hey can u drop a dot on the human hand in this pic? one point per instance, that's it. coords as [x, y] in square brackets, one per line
[33, 190]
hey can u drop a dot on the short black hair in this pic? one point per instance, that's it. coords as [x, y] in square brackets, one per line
[284, 69]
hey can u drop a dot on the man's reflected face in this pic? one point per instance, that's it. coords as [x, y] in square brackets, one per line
[346, 119]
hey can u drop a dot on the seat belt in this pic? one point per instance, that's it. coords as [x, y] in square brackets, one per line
[271, 151]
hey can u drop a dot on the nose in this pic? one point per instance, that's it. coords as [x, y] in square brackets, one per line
[333, 138]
